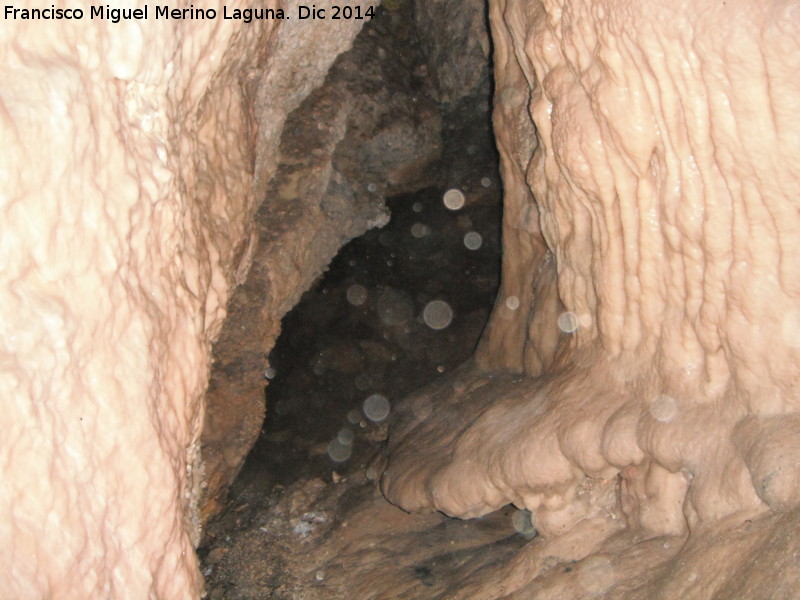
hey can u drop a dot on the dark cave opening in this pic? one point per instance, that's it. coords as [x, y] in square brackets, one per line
[400, 305]
[360, 335]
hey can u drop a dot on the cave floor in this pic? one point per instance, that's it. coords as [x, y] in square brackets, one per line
[320, 539]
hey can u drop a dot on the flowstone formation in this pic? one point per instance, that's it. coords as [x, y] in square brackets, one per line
[649, 296]
[129, 175]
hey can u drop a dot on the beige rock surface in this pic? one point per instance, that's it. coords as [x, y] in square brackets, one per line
[127, 183]
[648, 290]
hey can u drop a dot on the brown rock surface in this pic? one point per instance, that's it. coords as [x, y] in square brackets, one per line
[362, 135]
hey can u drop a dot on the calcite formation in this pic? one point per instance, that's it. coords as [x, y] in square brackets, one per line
[132, 154]
[649, 292]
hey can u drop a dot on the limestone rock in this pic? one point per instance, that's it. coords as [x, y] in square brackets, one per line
[128, 185]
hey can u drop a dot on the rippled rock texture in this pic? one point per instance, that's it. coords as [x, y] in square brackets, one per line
[133, 154]
[648, 296]
[636, 390]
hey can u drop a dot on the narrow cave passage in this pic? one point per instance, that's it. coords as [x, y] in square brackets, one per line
[398, 307]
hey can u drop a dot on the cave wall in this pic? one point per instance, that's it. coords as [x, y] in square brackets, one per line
[670, 225]
[356, 138]
[132, 154]
[648, 304]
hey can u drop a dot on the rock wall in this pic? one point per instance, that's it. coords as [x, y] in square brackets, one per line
[650, 240]
[406, 107]
[132, 154]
